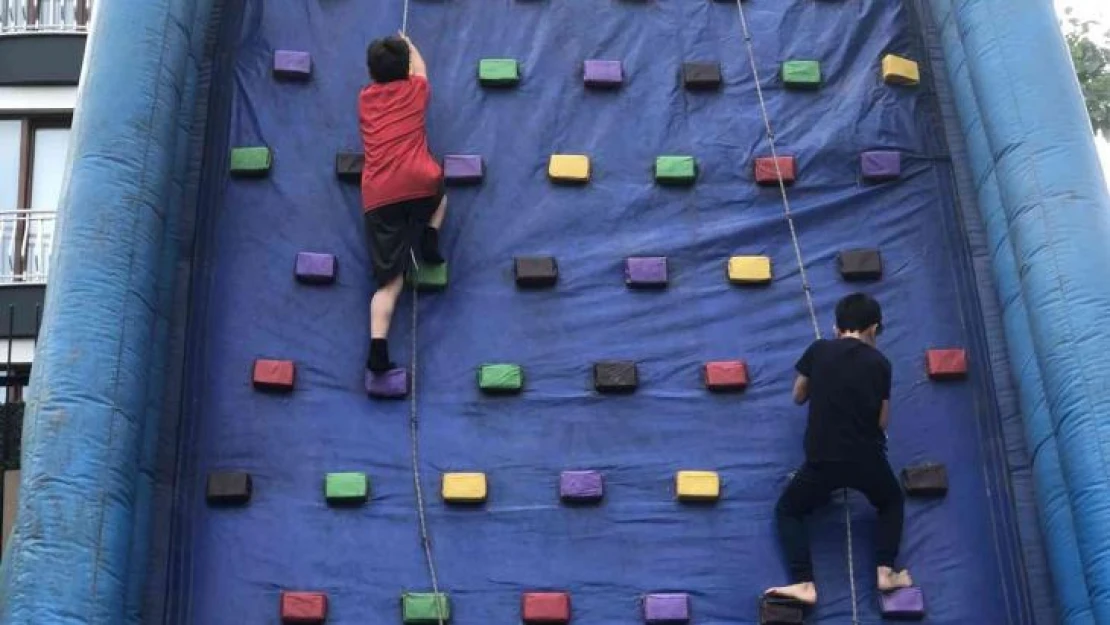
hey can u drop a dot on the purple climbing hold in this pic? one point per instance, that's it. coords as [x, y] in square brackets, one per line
[671, 607]
[906, 604]
[598, 73]
[581, 486]
[292, 64]
[393, 384]
[646, 272]
[463, 168]
[881, 165]
[315, 268]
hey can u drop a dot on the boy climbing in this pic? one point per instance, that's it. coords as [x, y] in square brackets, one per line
[402, 184]
[847, 384]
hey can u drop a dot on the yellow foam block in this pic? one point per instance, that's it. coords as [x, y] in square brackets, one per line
[749, 269]
[900, 71]
[569, 167]
[464, 487]
[697, 485]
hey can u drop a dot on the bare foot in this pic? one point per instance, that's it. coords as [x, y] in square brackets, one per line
[804, 593]
[889, 579]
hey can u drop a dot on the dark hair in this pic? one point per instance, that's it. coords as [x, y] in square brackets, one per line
[388, 59]
[857, 312]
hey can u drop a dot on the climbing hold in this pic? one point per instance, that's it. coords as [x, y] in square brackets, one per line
[428, 277]
[618, 376]
[701, 76]
[900, 71]
[228, 488]
[749, 270]
[775, 611]
[303, 607]
[801, 74]
[346, 488]
[766, 172]
[904, 604]
[273, 375]
[604, 74]
[946, 364]
[315, 268]
[645, 272]
[463, 168]
[535, 271]
[498, 72]
[425, 608]
[697, 485]
[500, 378]
[250, 162]
[860, 265]
[880, 165]
[670, 607]
[675, 170]
[573, 168]
[726, 375]
[392, 384]
[581, 486]
[545, 607]
[348, 166]
[464, 487]
[925, 480]
[292, 64]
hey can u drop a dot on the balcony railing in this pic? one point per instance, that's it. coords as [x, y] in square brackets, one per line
[46, 16]
[26, 241]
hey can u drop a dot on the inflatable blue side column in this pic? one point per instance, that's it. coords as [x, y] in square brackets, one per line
[80, 512]
[1045, 204]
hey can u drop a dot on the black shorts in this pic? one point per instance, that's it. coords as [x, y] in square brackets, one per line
[394, 232]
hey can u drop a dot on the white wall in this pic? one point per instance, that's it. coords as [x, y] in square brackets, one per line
[38, 99]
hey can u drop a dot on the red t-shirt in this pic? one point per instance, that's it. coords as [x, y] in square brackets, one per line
[397, 166]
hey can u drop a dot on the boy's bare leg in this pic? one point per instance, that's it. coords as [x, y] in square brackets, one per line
[382, 305]
[441, 212]
[429, 241]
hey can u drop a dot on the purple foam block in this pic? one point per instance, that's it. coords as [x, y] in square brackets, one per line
[598, 73]
[463, 168]
[580, 485]
[314, 268]
[667, 608]
[881, 165]
[646, 271]
[393, 384]
[904, 604]
[292, 64]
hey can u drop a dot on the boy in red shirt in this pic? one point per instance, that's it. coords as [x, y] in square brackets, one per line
[402, 184]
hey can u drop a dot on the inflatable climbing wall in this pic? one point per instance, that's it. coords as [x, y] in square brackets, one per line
[653, 207]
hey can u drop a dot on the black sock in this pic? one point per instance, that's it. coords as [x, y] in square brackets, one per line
[429, 246]
[378, 362]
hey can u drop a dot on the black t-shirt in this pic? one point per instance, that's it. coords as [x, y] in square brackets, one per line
[848, 381]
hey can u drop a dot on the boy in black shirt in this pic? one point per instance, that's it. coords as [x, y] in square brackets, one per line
[847, 383]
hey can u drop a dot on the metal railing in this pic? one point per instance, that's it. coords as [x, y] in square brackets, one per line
[46, 16]
[26, 241]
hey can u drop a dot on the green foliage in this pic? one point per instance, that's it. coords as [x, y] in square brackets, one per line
[1090, 53]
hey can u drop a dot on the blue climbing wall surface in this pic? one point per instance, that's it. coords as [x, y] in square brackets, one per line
[234, 562]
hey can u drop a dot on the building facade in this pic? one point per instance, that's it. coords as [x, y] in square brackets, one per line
[42, 45]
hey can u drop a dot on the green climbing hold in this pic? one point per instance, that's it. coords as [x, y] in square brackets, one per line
[498, 72]
[801, 74]
[425, 607]
[254, 161]
[675, 170]
[500, 378]
[429, 277]
[346, 488]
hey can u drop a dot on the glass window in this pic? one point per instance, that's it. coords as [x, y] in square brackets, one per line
[48, 167]
[11, 133]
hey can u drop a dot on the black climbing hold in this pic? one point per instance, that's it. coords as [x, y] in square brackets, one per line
[859, 265]
[348, 166]
[229, 488]
[535, 271]
[616, 376]
[701, 75]
[925, 480]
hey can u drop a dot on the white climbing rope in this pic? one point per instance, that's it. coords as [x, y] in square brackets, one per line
[405, 19]
[806, 290]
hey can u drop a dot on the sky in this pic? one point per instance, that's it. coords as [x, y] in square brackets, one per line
[1099, 11]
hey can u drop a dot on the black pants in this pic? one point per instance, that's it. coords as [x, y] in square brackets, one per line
[810, 489]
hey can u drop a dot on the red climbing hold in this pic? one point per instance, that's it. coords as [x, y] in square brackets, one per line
[726, 375]
[274, 375]
[545, 607]
[766, 173]
[946, 364]
[303, 607]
